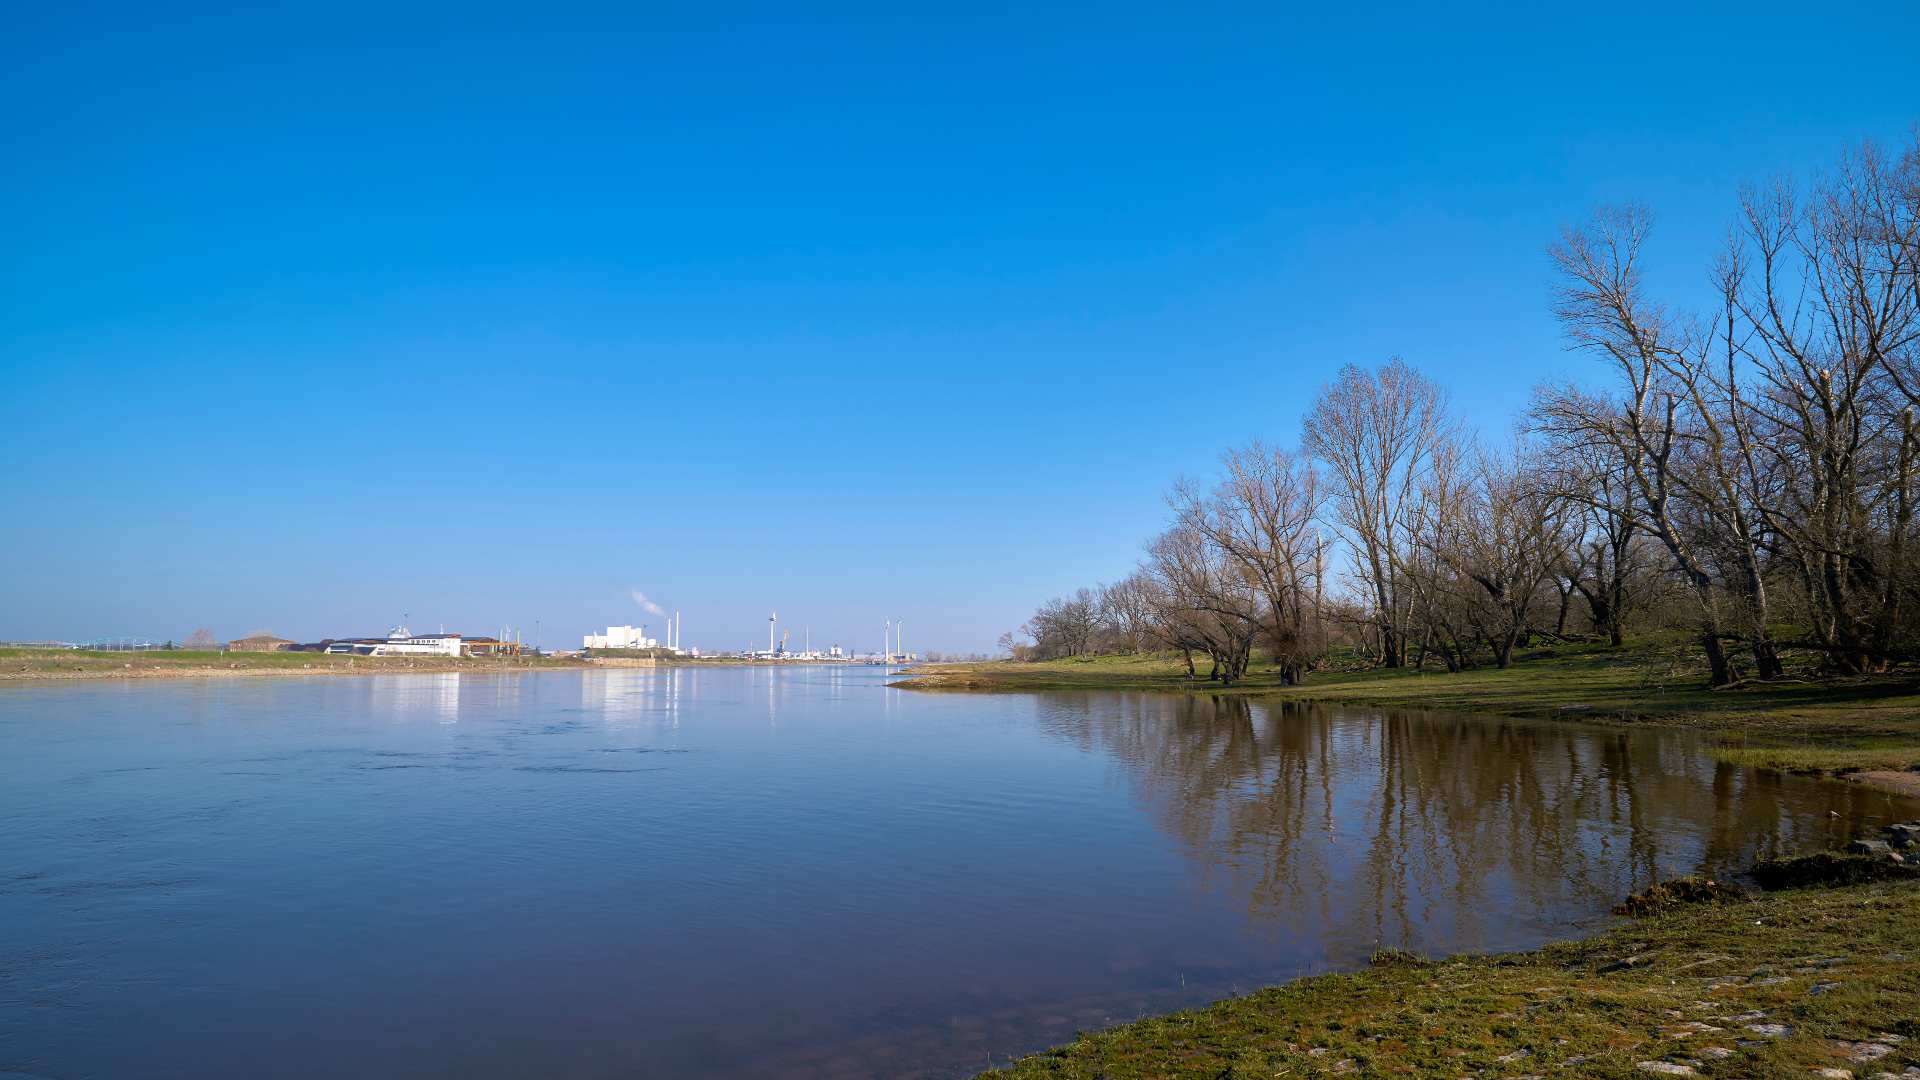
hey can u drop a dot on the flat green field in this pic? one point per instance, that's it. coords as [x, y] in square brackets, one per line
[1847, 725]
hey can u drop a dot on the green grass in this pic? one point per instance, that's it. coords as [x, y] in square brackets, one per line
[1832, 965]
[1833, 725]
[1891, 756]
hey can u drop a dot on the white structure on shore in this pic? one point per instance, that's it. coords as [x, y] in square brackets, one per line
[401, 641]
[621, 637]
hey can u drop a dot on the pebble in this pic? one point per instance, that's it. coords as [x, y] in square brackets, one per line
[1833, 1074]
[1821, 988]
[1714, 1053]
[1665, 1068]
[1863, 1051]
[1771, 1031]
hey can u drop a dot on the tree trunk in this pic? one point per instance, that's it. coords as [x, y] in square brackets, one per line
[1719, 672]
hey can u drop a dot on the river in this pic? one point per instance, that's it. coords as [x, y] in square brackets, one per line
[745, 872]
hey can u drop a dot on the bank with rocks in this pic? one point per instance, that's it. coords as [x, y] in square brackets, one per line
[1813, 980]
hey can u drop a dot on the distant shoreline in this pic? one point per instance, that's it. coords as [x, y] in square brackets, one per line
[69, 665]
[20, 665]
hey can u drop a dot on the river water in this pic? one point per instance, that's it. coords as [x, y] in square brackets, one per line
[749, 872]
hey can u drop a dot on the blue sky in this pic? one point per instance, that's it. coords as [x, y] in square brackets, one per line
[308, 319]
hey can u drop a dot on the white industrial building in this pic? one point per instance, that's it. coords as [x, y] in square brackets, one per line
[635, 637]
[621, 637]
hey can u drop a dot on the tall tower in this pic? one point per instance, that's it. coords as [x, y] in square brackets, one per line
[771, 619]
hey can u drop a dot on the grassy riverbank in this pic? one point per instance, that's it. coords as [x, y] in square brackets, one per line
[1868, 725]
[189, 663]
[1780, 985]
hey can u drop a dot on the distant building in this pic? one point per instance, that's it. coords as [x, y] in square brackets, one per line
[262, 642]
[487, 646]
[621, 637]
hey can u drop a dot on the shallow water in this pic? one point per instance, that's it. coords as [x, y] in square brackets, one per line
[793, 872]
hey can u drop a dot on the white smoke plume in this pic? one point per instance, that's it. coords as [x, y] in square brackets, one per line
[646, 605]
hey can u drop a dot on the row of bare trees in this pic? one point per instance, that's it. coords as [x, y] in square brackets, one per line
[1769, 446]
[1735, 473]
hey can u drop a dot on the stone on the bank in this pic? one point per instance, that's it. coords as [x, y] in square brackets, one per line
[1665, 1068]
[1878, 848]
[1863, 1051]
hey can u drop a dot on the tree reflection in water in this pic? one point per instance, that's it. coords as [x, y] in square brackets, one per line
[1368, 828]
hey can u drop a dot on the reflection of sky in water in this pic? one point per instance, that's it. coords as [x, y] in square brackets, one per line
[741, 871]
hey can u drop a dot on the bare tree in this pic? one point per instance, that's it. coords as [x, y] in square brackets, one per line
[1207, 602]
[1509, 540]
[1603, 559]
[1376, 432]
[1066, 626]
[1263, 517]
[1834, 311]
[1667, 433]
[1128, 608]
[202, 639]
